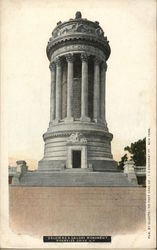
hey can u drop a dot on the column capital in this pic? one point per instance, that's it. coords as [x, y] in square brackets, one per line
[84, 57]
[52, 66]
[104, 66]
[69, 57]
[97, 61]
[58, 61]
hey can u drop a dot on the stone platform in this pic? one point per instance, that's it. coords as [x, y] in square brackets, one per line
[39, 211]
[74, 178]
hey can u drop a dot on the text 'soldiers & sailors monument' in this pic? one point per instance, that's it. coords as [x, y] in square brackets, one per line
[77, 143]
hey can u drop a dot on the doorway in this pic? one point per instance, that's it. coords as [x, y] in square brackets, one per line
[76, 158]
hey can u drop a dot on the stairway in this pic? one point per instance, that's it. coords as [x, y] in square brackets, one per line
[73, 178]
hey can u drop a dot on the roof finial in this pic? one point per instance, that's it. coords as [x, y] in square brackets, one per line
[78, 15]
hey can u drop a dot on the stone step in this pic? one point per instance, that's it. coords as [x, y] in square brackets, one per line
[78, 170]
[65, 178]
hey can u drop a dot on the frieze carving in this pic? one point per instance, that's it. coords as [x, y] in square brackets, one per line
[77, 27]
[68, 133]
[77, 138]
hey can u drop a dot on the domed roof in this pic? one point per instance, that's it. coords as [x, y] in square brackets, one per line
[78, 29]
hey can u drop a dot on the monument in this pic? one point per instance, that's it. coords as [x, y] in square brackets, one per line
[77, 142]
[78, 136]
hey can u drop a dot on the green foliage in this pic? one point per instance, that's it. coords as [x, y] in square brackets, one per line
[138, 154]
[121, 163]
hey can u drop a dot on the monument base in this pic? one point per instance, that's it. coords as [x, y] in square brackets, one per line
[74, 178]
[104, 165]
[49, 165]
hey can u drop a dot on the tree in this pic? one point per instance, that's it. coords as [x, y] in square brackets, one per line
[138, 153]
[121, 163]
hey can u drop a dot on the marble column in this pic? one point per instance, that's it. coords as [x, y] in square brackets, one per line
[96, 97]
[84, 88]
[58, 89]
[53, 94]
[70, 75]
[103, 92]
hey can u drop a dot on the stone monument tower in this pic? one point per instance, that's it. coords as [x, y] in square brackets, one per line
[78, 136]
[77, 142]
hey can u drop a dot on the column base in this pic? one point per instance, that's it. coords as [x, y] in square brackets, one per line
[53, 122]
[102, 121]
[69, 119]
[97, 120]
[56, 121]
[85, 119]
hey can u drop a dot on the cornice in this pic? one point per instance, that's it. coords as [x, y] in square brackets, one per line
[80, 48]
[81, 39]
